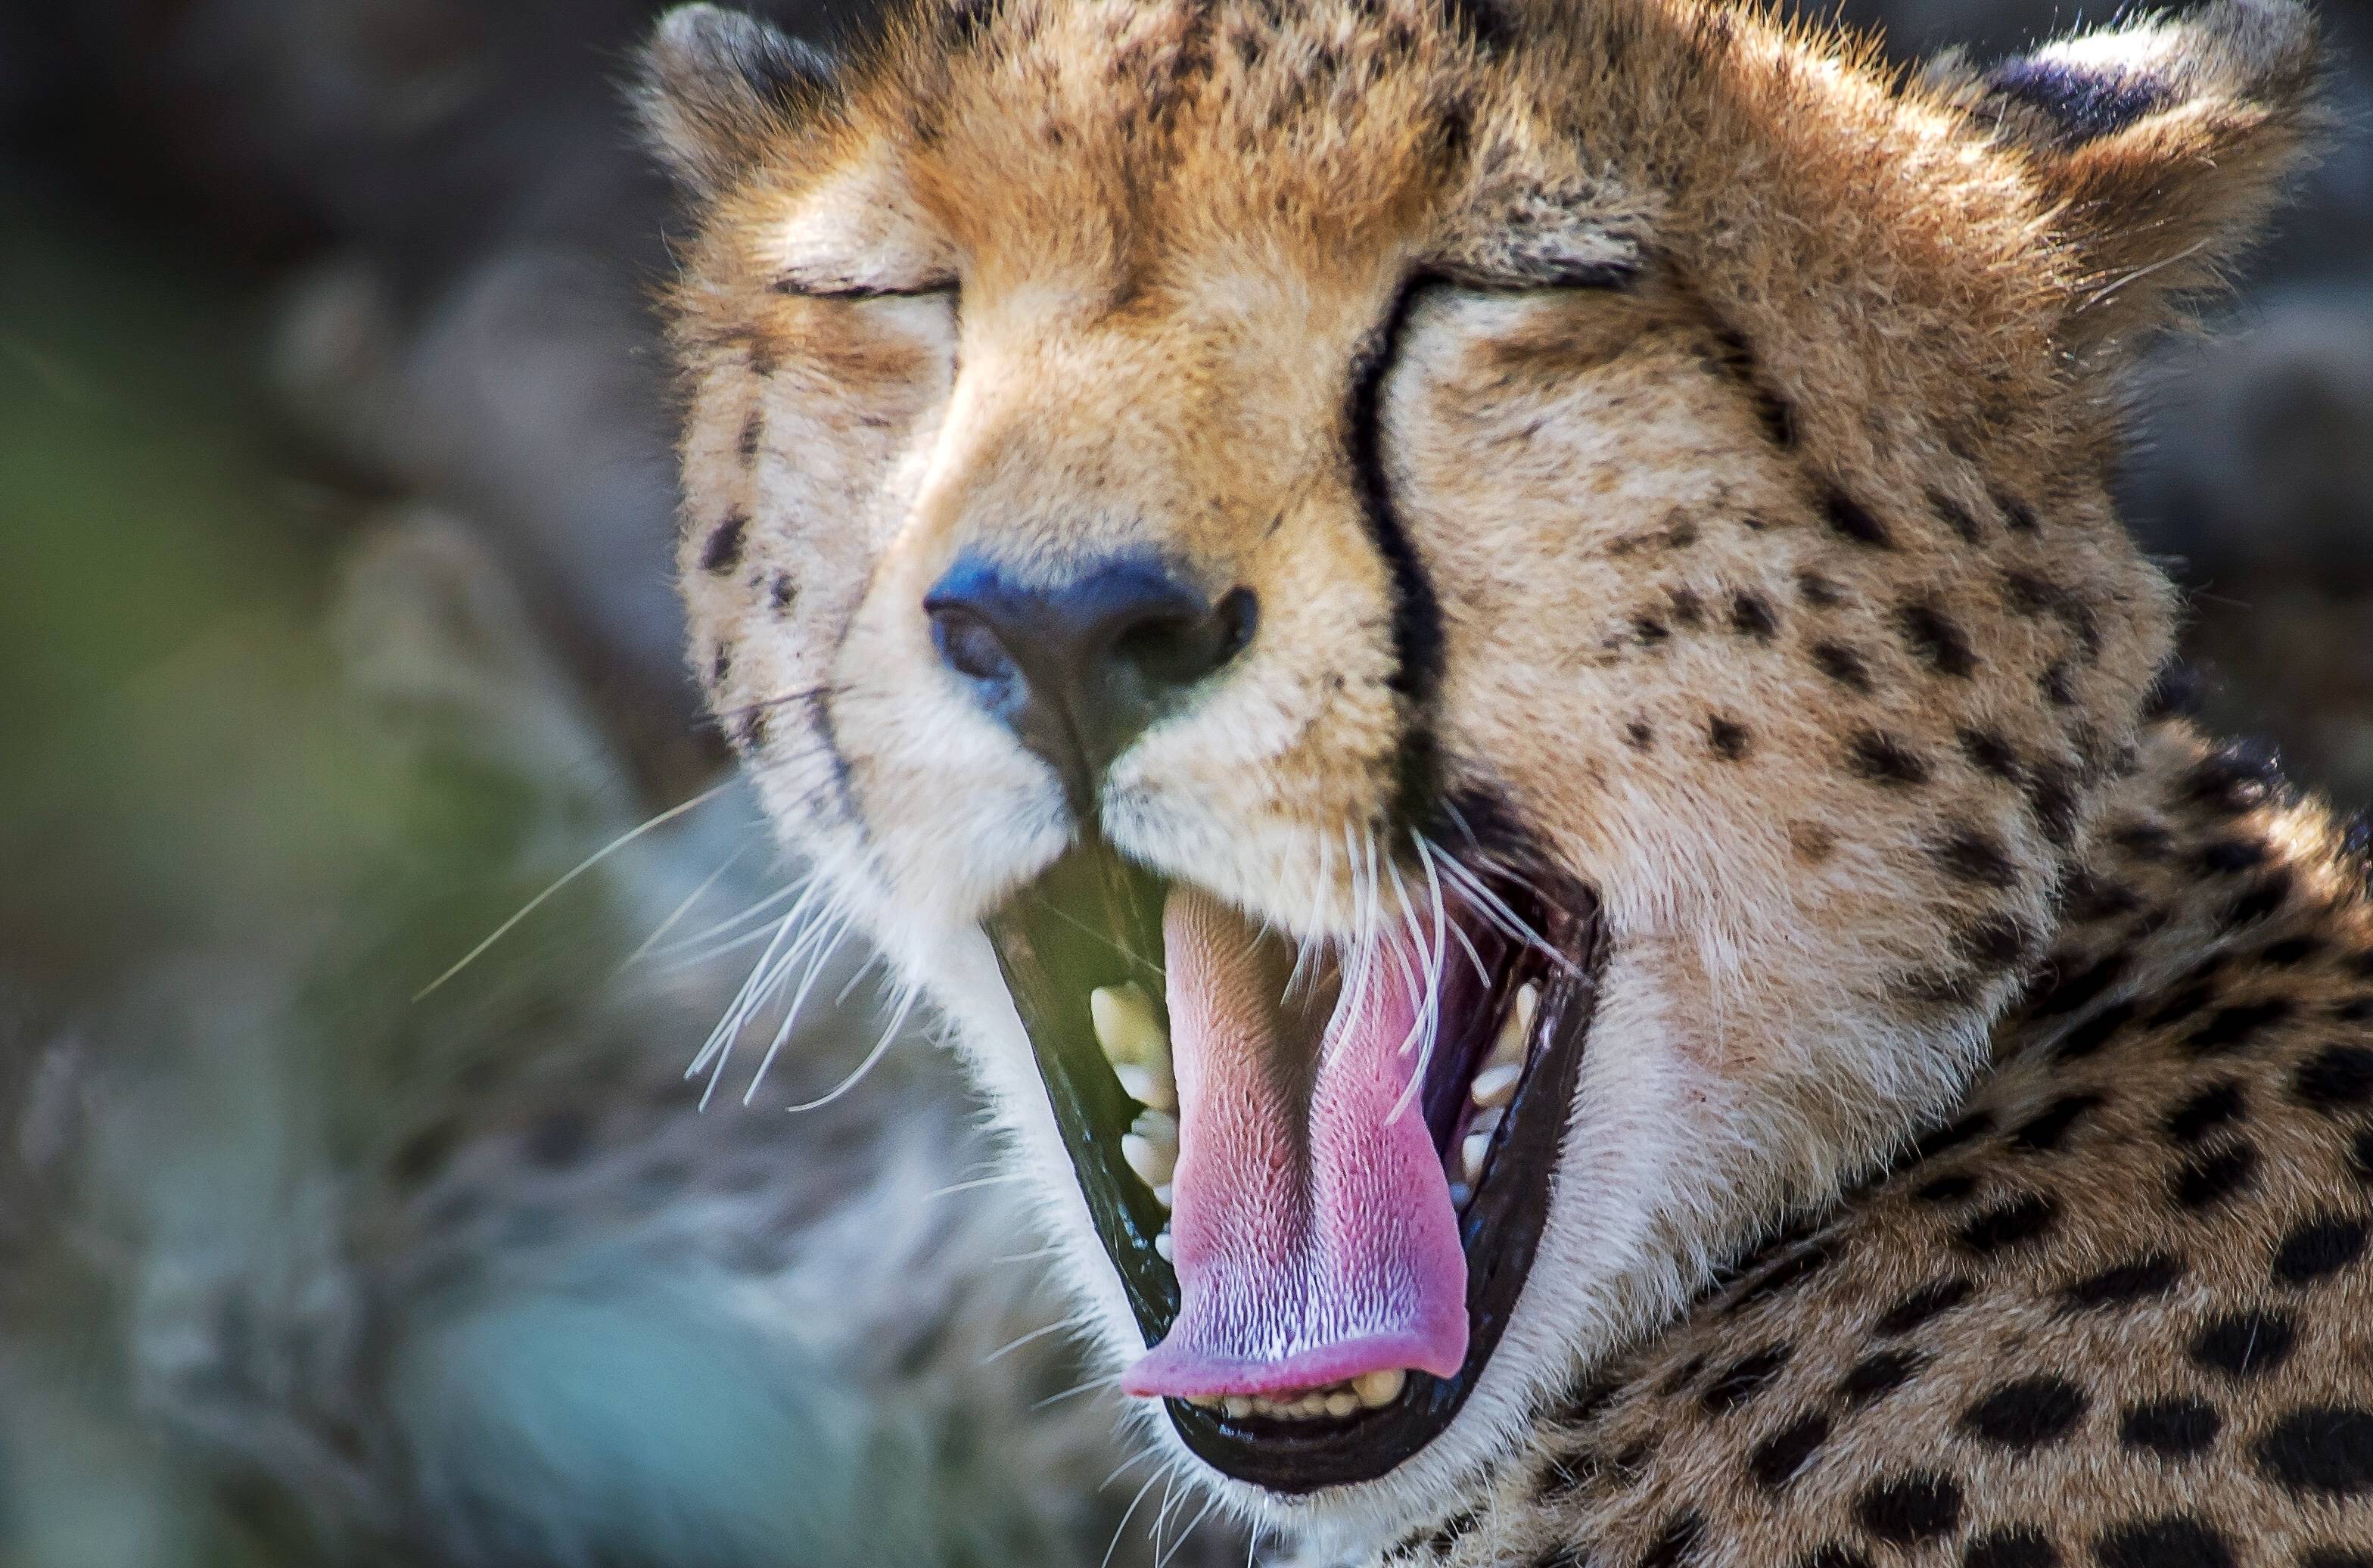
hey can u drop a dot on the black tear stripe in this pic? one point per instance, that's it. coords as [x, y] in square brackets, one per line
[1417, 611]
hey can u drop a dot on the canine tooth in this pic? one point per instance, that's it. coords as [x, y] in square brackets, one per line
[1471, 1156]
[1165, 1248]
[1376, 1389]
[1496, 1085]
[1126, 1026]
[1342, 1405]
[1459, 1194]
[1162, 1192]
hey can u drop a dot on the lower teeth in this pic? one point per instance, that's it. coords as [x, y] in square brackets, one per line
[1335, 1401]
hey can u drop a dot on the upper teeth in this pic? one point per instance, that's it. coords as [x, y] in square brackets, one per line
[1130, 1033]
[1151, 1147]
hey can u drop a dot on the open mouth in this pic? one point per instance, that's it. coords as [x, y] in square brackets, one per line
[1322, 1181]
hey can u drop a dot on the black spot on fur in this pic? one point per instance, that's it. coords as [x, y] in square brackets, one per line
[1990, 754]
[2206, 1110]
[1688, 610]
[722, 553]
[1729, 737]
[1775, 1461]
[2262, 900]
[2335, 1078]
[2021, 1220]
[1841, 664]
[1936, 640]
[2078, 990]
[1784, 1275]
[2238, 777]
[1771, 411]
[2011, 1546]
[1875, 1376]
[1818, 591]
[1752, 616]
[2321, 1246]
[2016, 514]
[1852, 519]
[754, 430]
[1905, 1510]
[1946, 1189]
[2209, 1179]
[2290, 952]
[782, 593]
[1974, 854]
[2324, 1449]
[1950, 1137]
[1677, 1543]
[2123, 1284]
[2057, 684]
[2171, 1542]
[1930, 1301]
[1638, 735]
[1649, 630]
[2244, 1344]
[1744, 1378]
[2173, 1428]
[2232, 1028]
[2052, 800]
[1956, 517]
[2050, 1126]
[1885, 759]
[2231, 856]
[2027, 1413]
[2089, 1036]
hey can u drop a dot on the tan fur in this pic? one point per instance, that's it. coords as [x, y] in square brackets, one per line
[1779, 593]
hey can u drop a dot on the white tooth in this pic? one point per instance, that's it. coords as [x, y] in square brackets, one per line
[1237, 1406]
[1165, 1248]
[1342, 1405]
[1496, 1085]
[1128, 1027]
[1148, 1086]
[1156, 1126]
[1162, 1195]
[1152, 1161]
[1379, 1389]
[1459, 1193]
[1487, 1121]
[1471, 1156]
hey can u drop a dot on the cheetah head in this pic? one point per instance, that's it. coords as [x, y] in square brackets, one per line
[1471, 644]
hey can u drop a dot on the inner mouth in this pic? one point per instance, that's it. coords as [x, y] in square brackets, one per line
[1321, 1207]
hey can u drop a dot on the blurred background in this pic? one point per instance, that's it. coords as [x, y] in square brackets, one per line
[335, 625]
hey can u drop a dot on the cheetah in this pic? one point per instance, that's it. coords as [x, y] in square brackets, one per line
[1480, 652]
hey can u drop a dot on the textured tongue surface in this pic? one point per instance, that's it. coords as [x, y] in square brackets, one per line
[1314, 1236]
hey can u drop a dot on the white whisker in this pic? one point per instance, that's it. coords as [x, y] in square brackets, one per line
[587, 864]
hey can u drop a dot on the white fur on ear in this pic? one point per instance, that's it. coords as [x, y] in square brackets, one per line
[2160, 144]
[714, 83]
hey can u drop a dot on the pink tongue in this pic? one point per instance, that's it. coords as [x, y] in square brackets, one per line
[1308, 1250]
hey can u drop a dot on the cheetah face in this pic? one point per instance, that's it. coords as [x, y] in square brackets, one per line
[1469, 653]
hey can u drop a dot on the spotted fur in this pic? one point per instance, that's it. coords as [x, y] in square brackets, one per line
[1671, 438]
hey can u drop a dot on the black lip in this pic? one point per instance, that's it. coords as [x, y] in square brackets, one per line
[1085, 923]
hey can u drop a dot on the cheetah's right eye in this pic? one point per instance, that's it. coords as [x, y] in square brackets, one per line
[818, 288]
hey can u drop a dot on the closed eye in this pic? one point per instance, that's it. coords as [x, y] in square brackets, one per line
[816, 288]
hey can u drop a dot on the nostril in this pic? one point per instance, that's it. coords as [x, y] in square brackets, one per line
[969, 645]
[1178, 650]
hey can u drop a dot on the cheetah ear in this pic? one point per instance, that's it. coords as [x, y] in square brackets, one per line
[716, 84]
[2161, 145]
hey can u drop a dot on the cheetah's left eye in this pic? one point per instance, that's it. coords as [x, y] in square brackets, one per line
[809, 287]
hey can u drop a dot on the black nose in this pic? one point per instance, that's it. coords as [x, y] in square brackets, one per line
[1080, 668]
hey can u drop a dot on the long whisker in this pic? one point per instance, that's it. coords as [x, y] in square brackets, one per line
[587, 864]
[679, 911]
[880, 1048]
